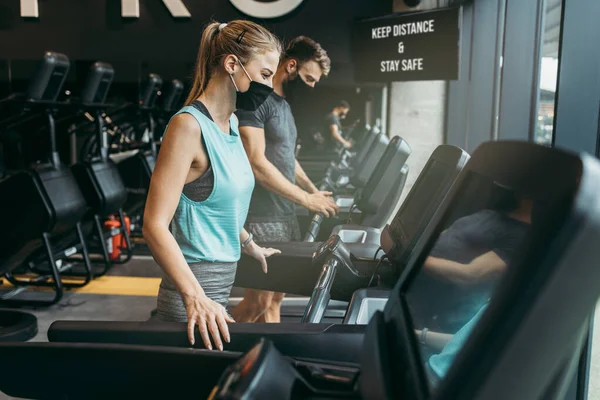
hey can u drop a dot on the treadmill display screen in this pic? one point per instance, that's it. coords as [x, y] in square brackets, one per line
[420, 205]
[482, 234]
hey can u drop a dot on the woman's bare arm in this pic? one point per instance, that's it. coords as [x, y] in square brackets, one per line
[180, 149]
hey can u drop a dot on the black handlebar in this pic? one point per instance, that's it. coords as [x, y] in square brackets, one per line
[313, 229]
[321, 294]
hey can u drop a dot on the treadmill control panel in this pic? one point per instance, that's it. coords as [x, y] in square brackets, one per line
[329, 246]
[230, 381]
[259, 374]
[233, 378]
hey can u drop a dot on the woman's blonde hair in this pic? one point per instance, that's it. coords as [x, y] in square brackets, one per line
[242, 38]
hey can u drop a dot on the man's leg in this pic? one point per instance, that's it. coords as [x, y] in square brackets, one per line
[253, 306]
[273, 314]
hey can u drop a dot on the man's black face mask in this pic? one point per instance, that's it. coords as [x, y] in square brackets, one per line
[296, 89]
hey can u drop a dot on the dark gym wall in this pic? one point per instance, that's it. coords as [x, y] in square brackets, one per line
[156, 42]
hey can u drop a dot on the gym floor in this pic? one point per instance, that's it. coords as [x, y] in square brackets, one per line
[128, 293]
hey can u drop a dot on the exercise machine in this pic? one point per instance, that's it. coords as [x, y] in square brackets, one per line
[297, 270]
[396, 360]
[373, 205]
[44, 205]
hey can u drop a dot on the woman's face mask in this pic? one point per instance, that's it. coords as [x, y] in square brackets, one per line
[252, 98]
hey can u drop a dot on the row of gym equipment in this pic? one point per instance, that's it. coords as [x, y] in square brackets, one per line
[72, 220]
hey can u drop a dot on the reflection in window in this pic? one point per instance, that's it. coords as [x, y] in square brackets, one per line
[544, 124]
[465, 265]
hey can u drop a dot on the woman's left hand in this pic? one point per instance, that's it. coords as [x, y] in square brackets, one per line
[260, 253]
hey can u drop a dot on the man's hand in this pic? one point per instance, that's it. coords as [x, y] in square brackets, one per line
[321, 202]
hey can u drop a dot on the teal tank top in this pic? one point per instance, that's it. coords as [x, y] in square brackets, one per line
[209, 230]
[441, 363]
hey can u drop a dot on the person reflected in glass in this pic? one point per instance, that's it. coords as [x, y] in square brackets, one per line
[478, 247]
[468, 259]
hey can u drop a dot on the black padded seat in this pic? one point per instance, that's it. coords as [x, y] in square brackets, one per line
[17, 326]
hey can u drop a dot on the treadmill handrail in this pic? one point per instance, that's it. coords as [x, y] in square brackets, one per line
[313, 229]
[315, 309]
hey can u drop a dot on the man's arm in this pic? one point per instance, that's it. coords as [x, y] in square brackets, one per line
[477, 270]
[303, 180]
[434, 340]
[335, 133]
[273, 180]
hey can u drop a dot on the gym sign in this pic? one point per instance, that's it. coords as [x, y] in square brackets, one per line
[131, 8]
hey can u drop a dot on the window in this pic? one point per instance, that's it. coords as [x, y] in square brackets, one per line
[544, 124]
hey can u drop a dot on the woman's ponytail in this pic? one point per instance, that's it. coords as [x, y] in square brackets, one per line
[205, 57]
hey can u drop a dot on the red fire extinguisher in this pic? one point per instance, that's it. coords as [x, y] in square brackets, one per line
[116, 242]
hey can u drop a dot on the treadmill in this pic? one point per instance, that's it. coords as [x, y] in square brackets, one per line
[373, 205]
[346, 158]
[294, 270]
[341, 341]
[551, 276]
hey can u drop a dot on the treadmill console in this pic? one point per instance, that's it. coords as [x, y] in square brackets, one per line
[327, 247]
[264, 373]
[261, 373]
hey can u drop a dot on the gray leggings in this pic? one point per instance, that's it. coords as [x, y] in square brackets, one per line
[216, 280]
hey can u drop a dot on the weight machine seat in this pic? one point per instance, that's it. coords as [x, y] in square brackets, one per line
[334, 342]
[102, 186]
[14, 260]
[45, 200]
[137, 169]
[16, 326]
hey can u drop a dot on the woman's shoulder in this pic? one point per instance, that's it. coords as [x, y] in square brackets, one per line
[185, 122]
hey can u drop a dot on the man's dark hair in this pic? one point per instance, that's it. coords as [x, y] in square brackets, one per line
[304, 49]
[343, 104]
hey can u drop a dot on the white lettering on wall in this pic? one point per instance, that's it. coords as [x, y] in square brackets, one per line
[409, 28]
[129, 8]
[177, 8]
[273, 9]
[30, 9]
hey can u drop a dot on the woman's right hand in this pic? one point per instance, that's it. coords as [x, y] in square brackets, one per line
[210, 316]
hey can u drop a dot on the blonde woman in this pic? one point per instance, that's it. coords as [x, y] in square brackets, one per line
[202, 183]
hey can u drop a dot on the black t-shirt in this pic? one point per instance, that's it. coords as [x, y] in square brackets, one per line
[275, 117]
[331, 119]
[446, 306]
[479, 233]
